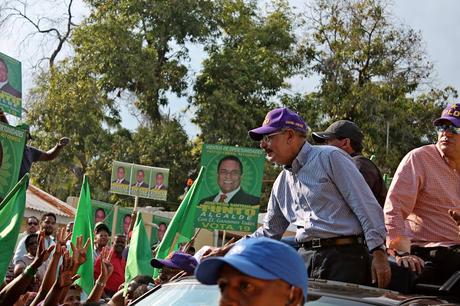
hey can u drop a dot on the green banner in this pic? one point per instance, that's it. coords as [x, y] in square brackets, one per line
[10, 85]
[138, 180]
[157, 234]
[227, 217]
[233, 183]
[123, 220]
[12, 142]
[102, 212]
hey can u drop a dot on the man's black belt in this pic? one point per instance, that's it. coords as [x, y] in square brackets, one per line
[317, 243]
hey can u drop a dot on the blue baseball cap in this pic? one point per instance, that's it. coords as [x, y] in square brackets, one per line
[278, 119]
[261, 258]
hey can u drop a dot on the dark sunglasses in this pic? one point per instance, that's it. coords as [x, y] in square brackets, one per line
[33, 223]
[448, 128]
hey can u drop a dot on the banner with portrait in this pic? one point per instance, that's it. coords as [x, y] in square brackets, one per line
[12, 142]
[230, 194]
[102, 212]
[10, 85]
[139, 180]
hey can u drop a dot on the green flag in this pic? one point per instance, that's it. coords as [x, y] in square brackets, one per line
[83, 227]
[182, 226]
[11, 214]
[139, 254]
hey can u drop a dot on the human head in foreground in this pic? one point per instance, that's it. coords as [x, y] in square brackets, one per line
[257, 271]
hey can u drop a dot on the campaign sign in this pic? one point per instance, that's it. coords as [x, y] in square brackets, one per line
[12, 142]
[10, 85]
[231, 189]
[138, 180]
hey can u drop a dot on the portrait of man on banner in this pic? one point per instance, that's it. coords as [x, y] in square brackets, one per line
[120, 178]
[233, 174]
[229, 176]
[10, 85]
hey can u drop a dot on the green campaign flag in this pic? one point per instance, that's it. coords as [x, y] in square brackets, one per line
[140, 254]
[83, 227]
[11, 214]
[182, 226]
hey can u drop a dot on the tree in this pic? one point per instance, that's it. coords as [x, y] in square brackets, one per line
[69, 102]
[139, 46]
[58, 29]
[245, 68]
[370, 70]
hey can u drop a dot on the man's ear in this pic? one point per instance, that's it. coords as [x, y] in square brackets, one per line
[295, 297]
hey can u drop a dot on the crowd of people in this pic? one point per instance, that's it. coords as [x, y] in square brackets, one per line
[349, 227]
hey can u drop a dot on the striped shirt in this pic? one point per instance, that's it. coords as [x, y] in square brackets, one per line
[422, 191]
[325, 196]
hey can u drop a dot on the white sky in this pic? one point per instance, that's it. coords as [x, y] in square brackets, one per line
[436, 19]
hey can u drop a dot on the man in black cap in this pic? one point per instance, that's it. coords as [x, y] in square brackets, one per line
[347, 136]
[101, 238]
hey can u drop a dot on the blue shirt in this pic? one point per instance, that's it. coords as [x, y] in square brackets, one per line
[325, 196]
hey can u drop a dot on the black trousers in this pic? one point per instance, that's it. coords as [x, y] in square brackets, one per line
[350, 263]
[440, 263]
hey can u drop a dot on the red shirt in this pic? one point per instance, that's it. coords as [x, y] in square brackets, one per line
[118, 276]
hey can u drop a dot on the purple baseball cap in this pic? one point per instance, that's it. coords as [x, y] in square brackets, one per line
[450, 113]
[178, 260]
[278, 119]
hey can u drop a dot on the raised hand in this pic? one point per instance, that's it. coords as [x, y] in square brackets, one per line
[63, 141]
[42, 253]
[79, 252]
[61, 239]
[66, 275]
[106, 265]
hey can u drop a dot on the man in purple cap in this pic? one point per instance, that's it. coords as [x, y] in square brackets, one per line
[425, 187]
[176, 263]
[321, 191]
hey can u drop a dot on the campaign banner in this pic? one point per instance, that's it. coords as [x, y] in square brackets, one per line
[102, 212]
[158, 233]
[227, 217]
[12, 142]
[139, 180]
[123, 220]
[10, 85]
[231, 189]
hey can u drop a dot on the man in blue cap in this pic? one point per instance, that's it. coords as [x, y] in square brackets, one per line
[257, 271]
[339, 222]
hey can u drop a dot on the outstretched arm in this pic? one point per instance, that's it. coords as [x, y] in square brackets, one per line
[54, 152]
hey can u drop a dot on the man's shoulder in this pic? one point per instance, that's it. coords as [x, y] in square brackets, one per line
[423, 152]
[245, 198]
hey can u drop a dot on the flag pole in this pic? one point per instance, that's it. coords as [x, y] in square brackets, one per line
[223, 238]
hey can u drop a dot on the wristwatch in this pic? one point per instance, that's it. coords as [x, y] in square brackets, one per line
[380, 247]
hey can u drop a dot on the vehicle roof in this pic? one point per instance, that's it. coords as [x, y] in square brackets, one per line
[374, 296]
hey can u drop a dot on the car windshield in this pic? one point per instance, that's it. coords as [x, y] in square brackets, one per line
[183, 295]
[193, 294]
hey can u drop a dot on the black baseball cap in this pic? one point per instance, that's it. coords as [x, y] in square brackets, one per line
[100, 226]
[339, 129]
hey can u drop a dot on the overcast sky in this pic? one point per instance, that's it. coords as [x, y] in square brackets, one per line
[437, 20]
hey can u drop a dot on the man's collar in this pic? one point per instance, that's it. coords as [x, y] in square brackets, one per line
[301, 158]
[231, 193]
[3, 83]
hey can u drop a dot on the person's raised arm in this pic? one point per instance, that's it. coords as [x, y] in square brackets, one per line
[50, 274]
[79, 252]
[54, 152]
[65, 279]
[10, 293]
[106, 271]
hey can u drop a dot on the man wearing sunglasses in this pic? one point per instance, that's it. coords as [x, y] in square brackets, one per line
[320, 190]
[425, 187]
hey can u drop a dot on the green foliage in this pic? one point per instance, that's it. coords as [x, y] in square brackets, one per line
[139, 46]
[370, 68]
[245, 68]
